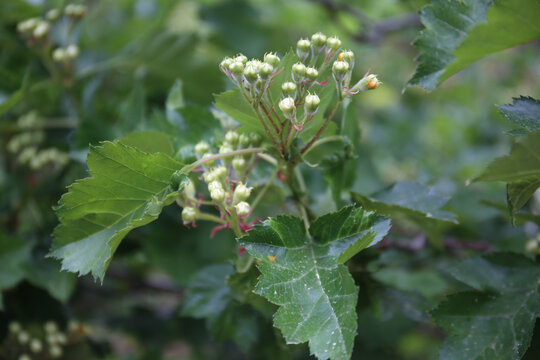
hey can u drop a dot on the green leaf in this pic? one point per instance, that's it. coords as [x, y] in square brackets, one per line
[175, 99]
[497, 320]
[149, 142]
[525, 112]
[127, 189]
[234, 104]
[305, 276]
[416, 202]
[460, 32]
[518, 193]
[14, 253]
[523, 163]
[45, 273]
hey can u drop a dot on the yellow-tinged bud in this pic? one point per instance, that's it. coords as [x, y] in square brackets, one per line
[318, 40]
[242, 208]
[201, 147]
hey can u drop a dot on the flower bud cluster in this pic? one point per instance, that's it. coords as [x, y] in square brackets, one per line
[42, 342]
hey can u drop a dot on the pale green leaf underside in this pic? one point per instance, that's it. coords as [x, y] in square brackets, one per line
[127, 189]
[496, 322]
[460, 32]
[304, 275]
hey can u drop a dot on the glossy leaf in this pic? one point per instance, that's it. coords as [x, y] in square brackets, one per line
[304, 275]
[460, 32]
[127, 189]
[525, 112]
[497, 320]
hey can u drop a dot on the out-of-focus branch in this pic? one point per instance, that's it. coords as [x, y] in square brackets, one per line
[419, 242]
[373, 31]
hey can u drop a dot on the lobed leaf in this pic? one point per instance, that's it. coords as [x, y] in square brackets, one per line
[127, 189]
[460, 32]
[497, 320]
[305, 276]
[525, 112]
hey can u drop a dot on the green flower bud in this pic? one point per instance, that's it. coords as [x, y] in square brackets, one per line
[189, 214]
[23, 337]
[220, 172]
[226, 63]
[74, 10]
[236, 67]
[289, 89]
[299, 69]
[52, 15]
[28, 25]
[312, 73]
[74, 325]
[55, 351]
[287, 106]
[266, 70]
[241, 192]
[14, 327]
[272, 59]
[41, 29]
[201, 147]
[242, 208]
[256, 139]
[241, 58]
[333, 43]
[218, 195]
[303, 47]
[311, 103]
[318, 40]
[244, 140]
[250, 73]
[340, 67]
[225, 148]
[231, 137]
[189, 190]
[36, 345]
[256, 63]
[72, 51]
[239, 165]
[59, 55]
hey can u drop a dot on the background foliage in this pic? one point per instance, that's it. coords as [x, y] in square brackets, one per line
[151, 65]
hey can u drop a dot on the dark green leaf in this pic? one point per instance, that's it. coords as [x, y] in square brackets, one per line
[128, 189]
[14, 253]
[304, 275]
[525, 112]
[45, 273]
[518, 193]
[497, 320]
[460, 32]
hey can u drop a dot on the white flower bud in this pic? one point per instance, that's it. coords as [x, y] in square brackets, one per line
[318, 40]
[55, 351]
[41, 29]
[242, 208]
[23, 337]
[214, 185]
[312, 73]
[244, 140]
[189, 190]
[303, 47]
[72, 51]
[289, 89]
[225, 148]
[36, 345]
[59, 55]
[241, 192]
[189, 214]
[51, 327]
[287, 106]
[272, 59]
[218, 195]
[236, 67]
[532, 247]
[25, 357]
[231, 137]
[15, 327]
[201, 147]
[52, 15]
[239, 165]
[311, 103]
[220, 172]
[333, 43]
[251, 73]
[347, 56]
[226, 63]
[266, 70]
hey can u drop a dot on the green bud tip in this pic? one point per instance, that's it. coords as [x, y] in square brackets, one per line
[288, 88]
[241, 192]
[231, 137]
[318, 40]
[250, 73]
[255, 138]
[340, 67]
[333, 43]
[189, 214]
[239, 164]
[226, 62]
[303, 46]
[272, 59]
[266, 70]
[236, 67]
[201, 147]
[287, 105]
[312, 73]
[241, 58]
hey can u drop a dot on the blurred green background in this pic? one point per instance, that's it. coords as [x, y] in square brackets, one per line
[132, 52]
